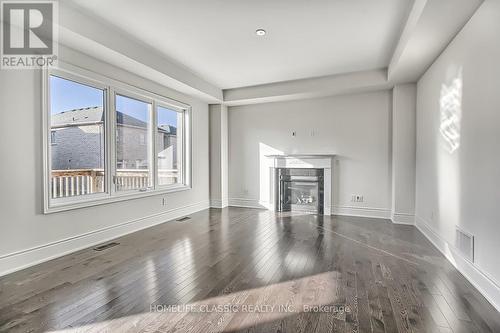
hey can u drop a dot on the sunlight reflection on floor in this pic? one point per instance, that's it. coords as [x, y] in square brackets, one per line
[243, 308]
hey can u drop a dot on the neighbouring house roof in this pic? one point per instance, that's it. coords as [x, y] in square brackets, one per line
[93, 115]
[168, 129]
[77, 116]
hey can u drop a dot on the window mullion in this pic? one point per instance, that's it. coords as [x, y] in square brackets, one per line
[187, 146]
[182, 151]
[154, 159]
[111, 142]
[45, 130]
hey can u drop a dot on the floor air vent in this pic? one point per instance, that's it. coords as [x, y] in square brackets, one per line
[105, 246]
[464, 242]
[185, 218]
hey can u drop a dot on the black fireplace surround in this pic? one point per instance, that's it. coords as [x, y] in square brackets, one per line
[299, 190]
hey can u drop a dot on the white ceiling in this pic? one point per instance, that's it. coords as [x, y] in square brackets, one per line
[215, 39]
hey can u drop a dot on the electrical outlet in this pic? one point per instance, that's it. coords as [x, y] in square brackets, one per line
[357, 198]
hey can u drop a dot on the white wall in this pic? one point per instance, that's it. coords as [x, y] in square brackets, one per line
[218, 156]
[22, 224]
[355, 127]
[403, 153]
[458, 140]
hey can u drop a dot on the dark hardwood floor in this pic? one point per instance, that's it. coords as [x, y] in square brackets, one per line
[243, 269]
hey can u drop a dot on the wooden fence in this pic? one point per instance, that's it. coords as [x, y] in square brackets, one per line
[67, 183]
[129, 179]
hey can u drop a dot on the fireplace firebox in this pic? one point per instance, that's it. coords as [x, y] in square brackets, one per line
[299, 190]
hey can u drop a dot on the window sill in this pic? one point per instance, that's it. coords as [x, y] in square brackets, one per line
[106, 198]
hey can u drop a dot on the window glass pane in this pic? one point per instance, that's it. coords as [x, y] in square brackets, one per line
[76, 138]
[133, 144]
[169, 146]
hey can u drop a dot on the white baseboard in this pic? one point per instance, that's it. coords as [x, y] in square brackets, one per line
[486, 284]
[400, 218]
[336, 210]
[217, 203]
[247, 203]
[21, 259]
[362, 212]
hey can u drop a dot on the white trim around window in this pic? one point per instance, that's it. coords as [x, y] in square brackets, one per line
[111, 88]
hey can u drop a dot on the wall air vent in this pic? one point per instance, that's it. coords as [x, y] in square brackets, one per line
[182, 219]
[105, 246]
[464, 242]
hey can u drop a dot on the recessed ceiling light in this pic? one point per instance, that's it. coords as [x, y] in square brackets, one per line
[260, 32]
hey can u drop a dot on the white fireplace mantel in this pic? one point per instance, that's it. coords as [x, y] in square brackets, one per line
[304, 161]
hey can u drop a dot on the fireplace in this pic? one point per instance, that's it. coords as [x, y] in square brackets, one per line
[299, 190]
[300, 183]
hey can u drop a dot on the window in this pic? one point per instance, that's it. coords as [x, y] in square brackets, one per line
[52, 137]
[133, 148]
[77, 161]
[169, 144]
[107, 141]
[142, 140]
